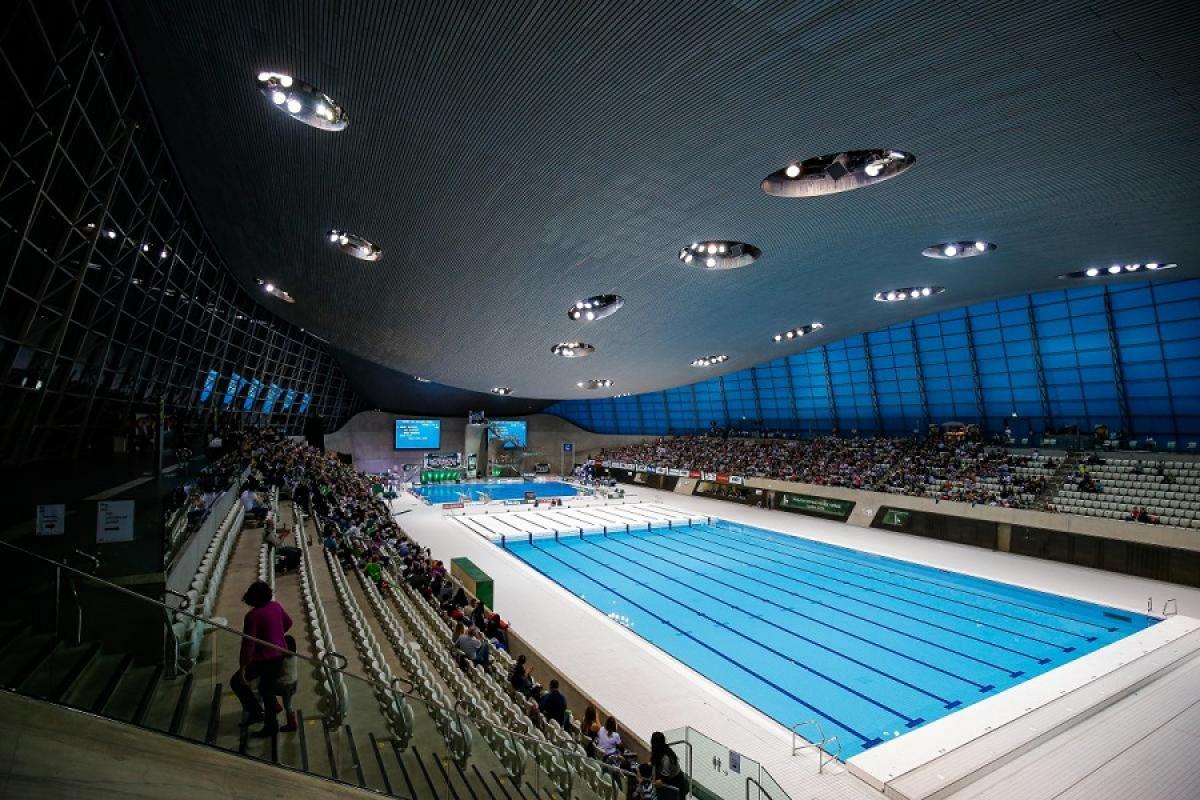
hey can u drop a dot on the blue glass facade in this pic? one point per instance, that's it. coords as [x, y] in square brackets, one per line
[1126, 356]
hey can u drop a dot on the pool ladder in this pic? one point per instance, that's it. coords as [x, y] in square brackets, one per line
[1170, 607]
[821, 743]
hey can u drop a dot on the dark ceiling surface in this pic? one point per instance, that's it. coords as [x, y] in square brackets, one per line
[512, 157]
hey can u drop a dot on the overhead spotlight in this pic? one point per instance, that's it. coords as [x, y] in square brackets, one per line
[1132, 267]
[891, 295]
[305, 102]
[1152, 266]
[294, 105]
[270, 287]
[1114, 269]
[145, 247]
[596, 307]
[111, 234]
[354, 245]
[896, 155]
[501, 390]
[1092, 272]
[873, 169]
[278, 98]
[163, 254]
[790, 334]
[320, 109]
[778, 337]
[720, 255]
[926, 292]
[285, 81]
[836, 172]
[958, 250]
[908, 293]
[572, 349]
[792, 170]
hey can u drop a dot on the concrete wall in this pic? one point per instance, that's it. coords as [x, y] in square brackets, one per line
[368, 437]
[868, 503]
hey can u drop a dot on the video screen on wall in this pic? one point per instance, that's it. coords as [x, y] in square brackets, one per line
[513, 432]
[418, 434]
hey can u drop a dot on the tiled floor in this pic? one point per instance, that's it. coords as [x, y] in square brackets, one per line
[649, 690]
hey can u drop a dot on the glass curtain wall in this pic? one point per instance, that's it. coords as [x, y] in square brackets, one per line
[112, 297]
[1124, 355]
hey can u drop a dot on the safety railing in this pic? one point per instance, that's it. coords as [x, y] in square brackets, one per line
[829, 748]
[355, 741]
[715, 770]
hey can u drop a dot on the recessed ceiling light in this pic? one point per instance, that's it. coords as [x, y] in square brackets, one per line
[796, 333]
[719, 255]
[836, 172]
[273, 290]
[593, 384]
[501, 390]
[354, 245]
[908, 293]
[598, 307]
[708, 361]
[111, 234]
[1115, 269]
[303, 101]
[270, 287]
[957, 250]
[572, 349]
[419, 379]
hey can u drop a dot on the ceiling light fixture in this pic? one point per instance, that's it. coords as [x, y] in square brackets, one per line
[273, 290]
[908, 293]
[720, 255]
[501, 390]
[572, 349]
[836, 172]
[708, 361]
[303, 101]
[596, 307]
[354, 245]
[795, 333]
[1116, 269]
[419, 379]
[957, 250]
[593, 384]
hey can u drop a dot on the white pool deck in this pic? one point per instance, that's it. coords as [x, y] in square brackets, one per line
[1124, 719]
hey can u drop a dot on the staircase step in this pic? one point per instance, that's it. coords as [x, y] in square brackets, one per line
[82, 663]
[18, 653]
[114, 677]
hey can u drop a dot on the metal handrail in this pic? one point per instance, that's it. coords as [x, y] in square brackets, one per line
[317, 663]
[761, 790]
[824, 756]
[1170, 607]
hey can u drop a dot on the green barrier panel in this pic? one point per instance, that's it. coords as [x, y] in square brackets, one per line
[822, 506]
[476, 581]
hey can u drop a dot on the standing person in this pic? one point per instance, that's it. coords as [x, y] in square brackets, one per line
[266, 621]
[666, 765]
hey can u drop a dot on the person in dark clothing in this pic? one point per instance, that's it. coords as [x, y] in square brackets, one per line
[554, 705]
[519, 679]
[666, 765]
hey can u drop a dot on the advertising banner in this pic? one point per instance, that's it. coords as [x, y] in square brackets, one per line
[722, 477]
[709, 476]
[736, 479]
[821, 506]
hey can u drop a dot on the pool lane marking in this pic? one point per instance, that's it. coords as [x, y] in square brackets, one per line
[944, 701]
[982, 687]
[775, 540]
[1012, 673]
[860, 600]
[867, 742]
[898, 598]
[909, 722]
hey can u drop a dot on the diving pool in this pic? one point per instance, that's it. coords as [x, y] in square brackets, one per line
[497, 490]
[870, 646]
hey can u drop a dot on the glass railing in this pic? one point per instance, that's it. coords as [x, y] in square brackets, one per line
[716, 771]
[74, 639]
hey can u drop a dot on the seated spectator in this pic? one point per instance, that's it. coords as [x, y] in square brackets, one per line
[519, 679]
[608, 740]
[374, 570]
[472, 647]
[645, 789]
[591, 722]
[253, 505]
[288, 556]
[553, 705]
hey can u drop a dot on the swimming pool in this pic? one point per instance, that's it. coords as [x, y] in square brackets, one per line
[452, 492]
[872, 647]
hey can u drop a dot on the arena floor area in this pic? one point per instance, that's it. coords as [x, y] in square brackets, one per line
[1118, 712]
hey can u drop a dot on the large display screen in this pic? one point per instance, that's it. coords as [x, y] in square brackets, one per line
[418, 434]
[513, 432]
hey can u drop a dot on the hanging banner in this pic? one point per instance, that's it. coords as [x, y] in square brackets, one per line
[443, 460]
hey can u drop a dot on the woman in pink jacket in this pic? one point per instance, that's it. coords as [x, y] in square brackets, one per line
[266, 620]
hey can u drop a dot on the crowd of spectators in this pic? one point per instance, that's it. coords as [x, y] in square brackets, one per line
[945, 469]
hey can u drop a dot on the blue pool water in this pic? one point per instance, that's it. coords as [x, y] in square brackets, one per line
[870, 646]
[450, 492]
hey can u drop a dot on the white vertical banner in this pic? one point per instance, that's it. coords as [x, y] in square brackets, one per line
[51, 519]
[114, 521]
